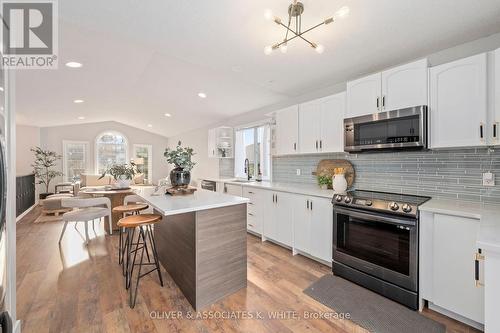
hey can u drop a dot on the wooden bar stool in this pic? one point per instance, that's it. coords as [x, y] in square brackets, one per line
[143, 223]
[133, 209]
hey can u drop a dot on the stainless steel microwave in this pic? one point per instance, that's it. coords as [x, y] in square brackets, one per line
[404, 129]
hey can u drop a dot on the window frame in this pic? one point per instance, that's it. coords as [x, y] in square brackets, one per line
[96, 150]
[255, 127]
[149, 147]
[65, 143]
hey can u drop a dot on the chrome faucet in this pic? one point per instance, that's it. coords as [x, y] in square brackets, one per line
[247, 168]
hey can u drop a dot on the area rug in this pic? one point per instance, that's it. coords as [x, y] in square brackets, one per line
[368, 309]
[48, 218]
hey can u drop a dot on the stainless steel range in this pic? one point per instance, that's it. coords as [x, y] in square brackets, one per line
[375, 242]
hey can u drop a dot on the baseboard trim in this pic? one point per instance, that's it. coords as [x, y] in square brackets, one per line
[456, 316]
[26, 212]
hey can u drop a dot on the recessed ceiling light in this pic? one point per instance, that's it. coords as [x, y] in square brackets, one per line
[168, 115]
[202, 95]
[81, 117]
[149, 125]
[1, 88]
[78, 101]
[73, 64]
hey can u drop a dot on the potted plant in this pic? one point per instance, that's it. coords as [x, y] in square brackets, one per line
[122, 173]
[324, 181]
[180, 157]
[43, 168]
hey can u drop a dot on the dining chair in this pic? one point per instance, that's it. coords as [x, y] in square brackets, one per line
[87, 209]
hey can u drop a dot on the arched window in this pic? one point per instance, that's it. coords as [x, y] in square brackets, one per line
[110, 148]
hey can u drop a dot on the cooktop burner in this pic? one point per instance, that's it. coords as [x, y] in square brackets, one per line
[393, 203]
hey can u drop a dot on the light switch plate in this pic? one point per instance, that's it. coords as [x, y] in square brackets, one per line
[298, 172]
[488, 179]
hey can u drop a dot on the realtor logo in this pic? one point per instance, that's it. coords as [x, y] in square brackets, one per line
[29, 34]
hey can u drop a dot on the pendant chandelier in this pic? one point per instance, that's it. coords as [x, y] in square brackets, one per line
[293, 28]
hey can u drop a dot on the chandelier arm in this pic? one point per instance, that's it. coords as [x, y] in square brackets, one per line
[297, 35]
[288, 28]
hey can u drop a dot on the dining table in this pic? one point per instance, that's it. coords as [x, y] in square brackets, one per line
[116, 196]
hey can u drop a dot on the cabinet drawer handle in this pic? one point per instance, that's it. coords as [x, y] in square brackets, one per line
[316, 144]
[250, 214]
[295, 146]
[250, 192]
[250, 225]
[481, 131]
[250, 203]
[383, 102]
[478, 257]
[276, 198]
[378, 103]
[495, 131]
[307, 205]
[311, 205]
[320, 144]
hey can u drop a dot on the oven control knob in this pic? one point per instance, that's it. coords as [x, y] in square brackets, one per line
[338, 198]
[368, 203]
[347, 199]
[406, 208]
[394, 206]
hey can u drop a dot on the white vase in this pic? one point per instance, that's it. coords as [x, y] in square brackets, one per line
[339, 183]
[122, 182]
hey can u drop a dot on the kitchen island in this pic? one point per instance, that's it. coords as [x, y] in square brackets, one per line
[201, 242]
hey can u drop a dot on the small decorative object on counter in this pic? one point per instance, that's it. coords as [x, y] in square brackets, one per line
[259, 173]
[339, 183]
[325, 181]
[180, 157]
[122, 173]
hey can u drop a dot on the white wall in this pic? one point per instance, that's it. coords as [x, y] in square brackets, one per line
[26, 138]
[198, 138]
[52, 138]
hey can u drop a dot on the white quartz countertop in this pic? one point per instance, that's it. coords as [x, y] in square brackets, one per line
[200, 200]
[488, 215]
[297, 188]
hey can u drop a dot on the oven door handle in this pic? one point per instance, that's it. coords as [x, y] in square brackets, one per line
[376, 217]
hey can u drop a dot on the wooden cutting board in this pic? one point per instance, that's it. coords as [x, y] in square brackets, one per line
[327, 167]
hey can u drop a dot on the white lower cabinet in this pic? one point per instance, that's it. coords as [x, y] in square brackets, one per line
[447, 269]
[278, 213]
[312, 222]
[233, 189]
[255, 209]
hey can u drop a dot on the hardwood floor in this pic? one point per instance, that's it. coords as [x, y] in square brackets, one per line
[80, 289]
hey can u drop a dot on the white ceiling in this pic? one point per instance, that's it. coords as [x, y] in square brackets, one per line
[146, 58]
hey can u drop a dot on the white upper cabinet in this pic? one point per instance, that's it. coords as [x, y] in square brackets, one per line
[287, 131]
[363, 96]
[404, 86]
[309, 126]
[494, 128]
[332, 123]
[400, 87]
[458, 103]
[321, 125]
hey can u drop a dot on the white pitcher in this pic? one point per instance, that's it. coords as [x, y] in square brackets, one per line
[339, 183]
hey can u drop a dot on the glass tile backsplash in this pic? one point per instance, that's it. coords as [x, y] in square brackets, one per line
[454, 174]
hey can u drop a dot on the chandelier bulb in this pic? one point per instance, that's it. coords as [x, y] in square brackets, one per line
[268, 15]
[342, 12]
[268, 50]
[319, 48]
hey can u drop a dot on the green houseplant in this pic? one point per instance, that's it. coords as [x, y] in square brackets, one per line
[43, 168]
[180, 157]
[325, 181]
[122, 173]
